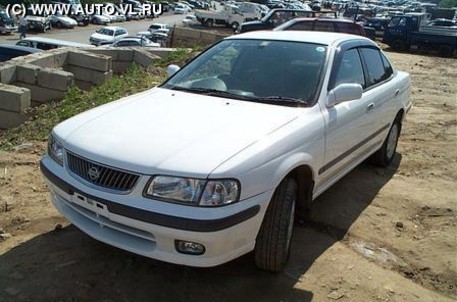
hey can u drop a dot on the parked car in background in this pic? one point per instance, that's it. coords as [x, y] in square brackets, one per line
[180, 8]
[60, 21]
[319, 24]
[100, 19]
[107, 34]
[158, 26]
[8, 51]
[38, 22]
[135, 41]
[190, 20]
[179, 173]
[7, 24]
[47, 43]
[165, 6]
[443, 22]
[81, 19]
[274, 18]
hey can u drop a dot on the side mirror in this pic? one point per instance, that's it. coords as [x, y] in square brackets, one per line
[172, 69]
[343, 93]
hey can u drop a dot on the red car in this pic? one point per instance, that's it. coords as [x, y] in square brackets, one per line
[323, 24]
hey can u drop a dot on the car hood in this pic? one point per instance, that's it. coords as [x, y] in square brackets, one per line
[171, 132]
[67, 20]
[102, 37]
[253, 25]
[35, 18]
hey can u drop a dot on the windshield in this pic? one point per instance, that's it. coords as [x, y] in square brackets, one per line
[255, 70]
[105, 31]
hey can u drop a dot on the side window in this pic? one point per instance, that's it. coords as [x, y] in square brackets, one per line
[301, 26]
[24, 43]
[350, 70]
[387, 66]
[375, 66]
[118, 32]
[348, 28]
[324, 26]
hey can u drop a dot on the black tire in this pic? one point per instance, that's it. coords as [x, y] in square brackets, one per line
[398, 45]
[209, 23]
[445, 51]
[384, 156]
[272, 246]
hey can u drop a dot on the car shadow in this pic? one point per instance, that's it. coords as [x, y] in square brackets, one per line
[67, 265]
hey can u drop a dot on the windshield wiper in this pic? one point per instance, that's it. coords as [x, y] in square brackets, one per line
[212, 92]
[281, 100]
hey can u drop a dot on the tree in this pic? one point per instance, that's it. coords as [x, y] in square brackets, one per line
[447, 3]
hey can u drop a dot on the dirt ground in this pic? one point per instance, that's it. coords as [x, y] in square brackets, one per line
[377, 235]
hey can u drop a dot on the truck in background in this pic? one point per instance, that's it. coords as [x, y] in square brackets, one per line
[411, 29]
[231, 16]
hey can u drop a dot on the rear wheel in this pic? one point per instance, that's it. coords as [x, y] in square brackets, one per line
[275, 235]
[398, 45]
[445, 51]
[384, 156]
[209, 23]
[235, 26]
[59, 24]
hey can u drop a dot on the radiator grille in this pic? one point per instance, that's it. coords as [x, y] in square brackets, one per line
[101, 175]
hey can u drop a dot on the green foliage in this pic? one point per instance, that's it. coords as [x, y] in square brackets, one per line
[45, 117]
[134, 80]
[447, 3]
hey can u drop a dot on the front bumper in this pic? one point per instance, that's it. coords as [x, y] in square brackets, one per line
[123, 221]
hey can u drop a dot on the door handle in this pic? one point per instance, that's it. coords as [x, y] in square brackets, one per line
[397, 92]
[370, 107]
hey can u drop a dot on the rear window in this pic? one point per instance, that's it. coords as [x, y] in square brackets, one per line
[348, 28]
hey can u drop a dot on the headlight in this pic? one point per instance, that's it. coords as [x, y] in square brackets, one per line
[55, 150]
[194, 191]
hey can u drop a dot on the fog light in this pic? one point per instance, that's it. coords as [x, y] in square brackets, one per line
[191, 248]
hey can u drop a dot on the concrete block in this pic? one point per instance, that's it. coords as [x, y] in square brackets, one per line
[55, 79]
[161, 52]
[13, 98]
[186, 32]
[42, 94]
[10, 119]
[27, 73]
[43, 60]
[119, 67]
[7, 73]
[89, 60]
[144, 58]
[110, 52]
[92, 76]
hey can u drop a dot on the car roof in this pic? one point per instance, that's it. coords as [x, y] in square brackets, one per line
[21, 48]
[322, 19]
[324, 38]
[113, 27]
[53, 41]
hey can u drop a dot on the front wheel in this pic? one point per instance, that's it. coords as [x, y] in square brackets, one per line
[272, 246]
[235, 26]
[209, 23]
[384, 156]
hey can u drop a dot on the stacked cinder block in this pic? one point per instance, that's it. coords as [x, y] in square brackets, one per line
[43, 77]
[188, 37]
[13, 103]
[46, 84]
[89, 69]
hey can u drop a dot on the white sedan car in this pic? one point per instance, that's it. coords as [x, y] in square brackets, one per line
[218, 161]
[60, 21]
[107, 34]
